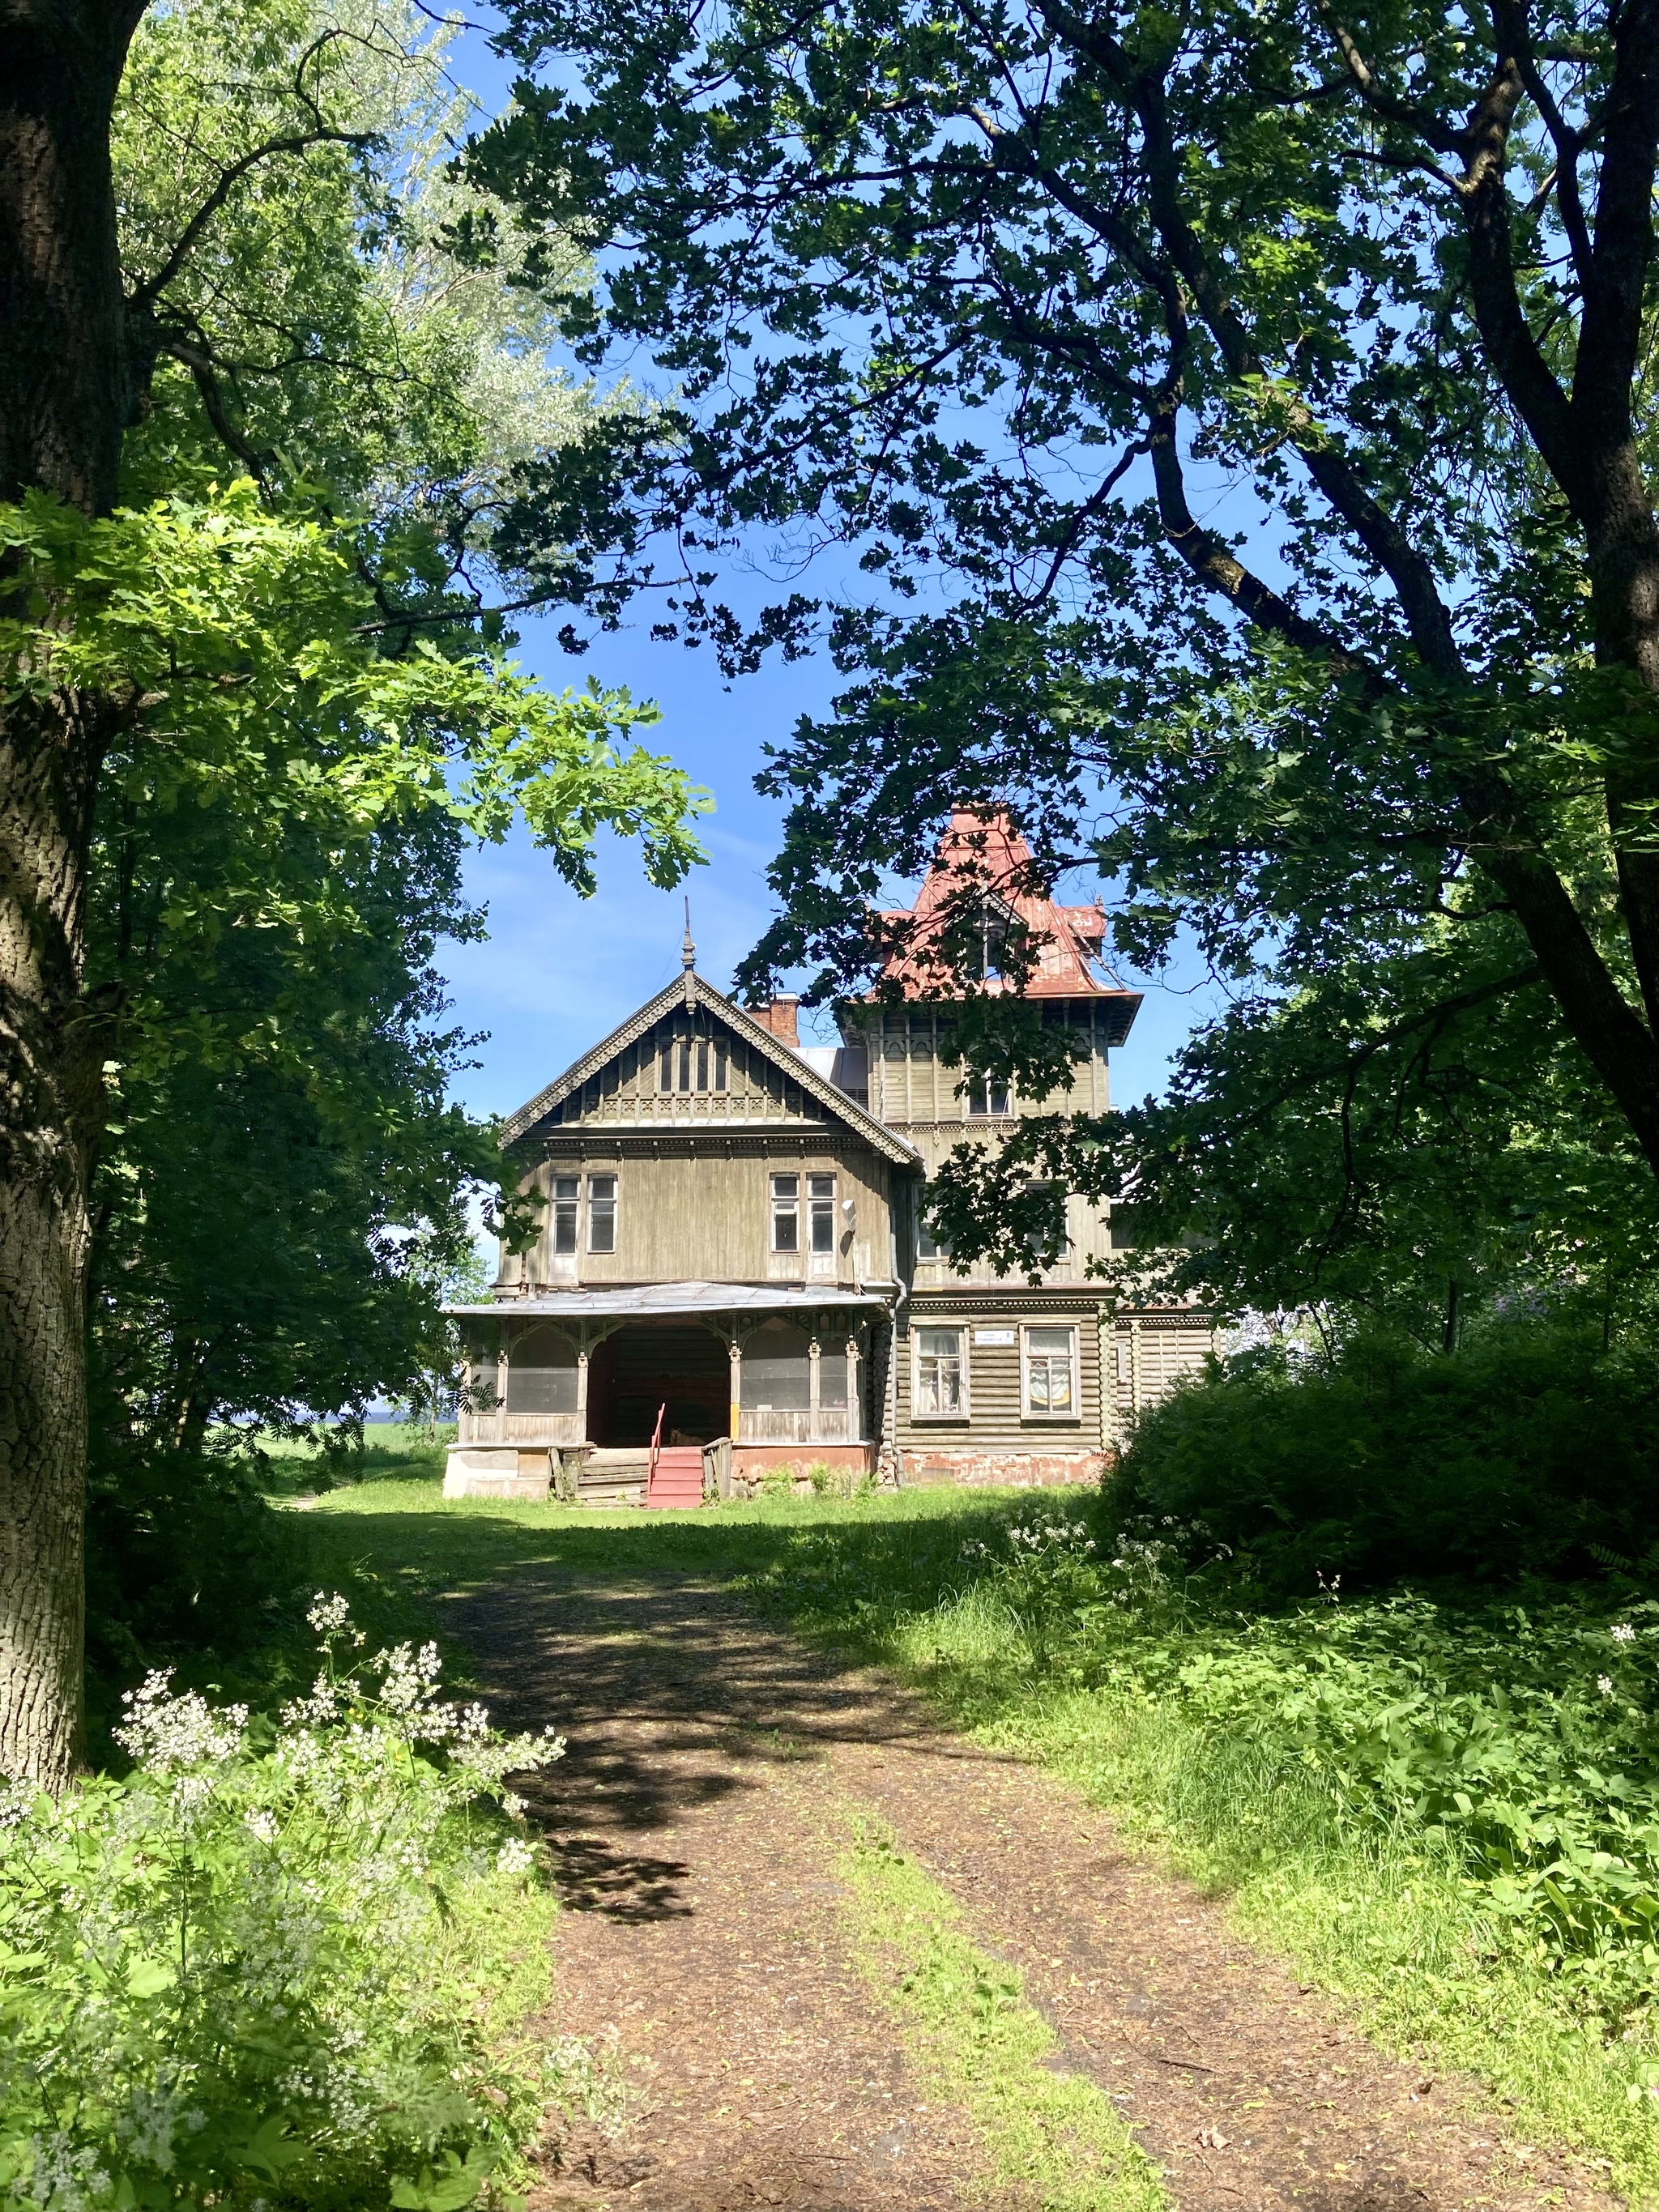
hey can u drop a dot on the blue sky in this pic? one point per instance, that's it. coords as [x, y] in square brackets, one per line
[557, 972]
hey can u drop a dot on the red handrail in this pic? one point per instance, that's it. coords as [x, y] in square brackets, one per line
[656, 1446]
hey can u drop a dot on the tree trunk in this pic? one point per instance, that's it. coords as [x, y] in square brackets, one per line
[51, 1085]
[63, 399]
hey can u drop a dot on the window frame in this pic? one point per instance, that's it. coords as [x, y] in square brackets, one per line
[821, 1207]
[961, 1331]
[980, 1087]
[557, 1201]
[781, 1206]
[1072, 1415]
[596, 1202]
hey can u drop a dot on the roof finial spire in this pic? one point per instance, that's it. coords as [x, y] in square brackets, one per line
[688, 953]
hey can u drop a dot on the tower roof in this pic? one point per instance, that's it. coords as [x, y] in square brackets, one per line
[981, 856]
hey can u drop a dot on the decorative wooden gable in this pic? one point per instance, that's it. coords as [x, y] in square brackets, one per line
[691, 1059]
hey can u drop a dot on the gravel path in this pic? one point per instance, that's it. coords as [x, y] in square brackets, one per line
[715, 1762]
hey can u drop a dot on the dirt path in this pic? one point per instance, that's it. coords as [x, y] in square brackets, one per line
[711, 1760]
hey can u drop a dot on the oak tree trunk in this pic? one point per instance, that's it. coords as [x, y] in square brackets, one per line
[63, 404]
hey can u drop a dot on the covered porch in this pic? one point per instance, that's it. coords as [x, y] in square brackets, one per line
[563, 1390]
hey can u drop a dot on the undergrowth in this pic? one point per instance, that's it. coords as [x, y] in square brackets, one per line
[277, 1963]
[1448, 1810]
[1430, 1800]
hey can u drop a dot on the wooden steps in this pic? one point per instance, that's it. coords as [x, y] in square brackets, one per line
[677, 1477]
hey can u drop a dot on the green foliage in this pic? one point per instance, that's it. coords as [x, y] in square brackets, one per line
[309, 719]
[265, 1966]
[987, 296]
[1531, 1450]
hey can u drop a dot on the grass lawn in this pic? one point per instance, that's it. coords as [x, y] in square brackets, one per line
[1370, 1901]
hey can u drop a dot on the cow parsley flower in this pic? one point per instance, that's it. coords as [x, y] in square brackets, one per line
[1624, 1634]
[170, 1735]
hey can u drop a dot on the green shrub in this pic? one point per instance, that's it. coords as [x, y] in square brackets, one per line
[246, 1973]
[1532, 1451]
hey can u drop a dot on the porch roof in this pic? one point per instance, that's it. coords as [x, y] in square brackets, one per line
[662, 1299]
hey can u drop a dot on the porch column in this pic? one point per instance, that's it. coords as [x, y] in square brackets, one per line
[814, 1386]
[581, 1391]
[1135, 1363]
[737, 1384]
[855, 1395]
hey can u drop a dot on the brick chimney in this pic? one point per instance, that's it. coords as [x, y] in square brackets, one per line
[780, 1018]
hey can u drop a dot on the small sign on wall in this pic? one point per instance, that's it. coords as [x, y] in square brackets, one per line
[995, 1336]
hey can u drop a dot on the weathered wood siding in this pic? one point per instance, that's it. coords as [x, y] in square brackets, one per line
[912, 1087]
[699, 1209]
[915, 1091]
[995, 1420]
[715, 1079]
[1150, 1353]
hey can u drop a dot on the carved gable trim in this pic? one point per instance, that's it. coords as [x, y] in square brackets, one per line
[523, 1124]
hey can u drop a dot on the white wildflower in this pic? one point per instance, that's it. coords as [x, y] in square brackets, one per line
[168, 1735]
[262, 1824]
[1624, 1634]
[1604, 1684]
[515, 1857]
[16, 1803]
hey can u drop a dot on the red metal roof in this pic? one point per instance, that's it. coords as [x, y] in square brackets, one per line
[984, 853]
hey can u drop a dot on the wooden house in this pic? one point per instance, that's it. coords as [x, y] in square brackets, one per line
[734, 1238]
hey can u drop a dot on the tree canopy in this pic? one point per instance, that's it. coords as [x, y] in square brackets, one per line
[1242, 418]
[260, 697]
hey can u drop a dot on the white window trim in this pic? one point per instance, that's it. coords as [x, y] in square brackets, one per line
[965, 1410]
[1072, 1419]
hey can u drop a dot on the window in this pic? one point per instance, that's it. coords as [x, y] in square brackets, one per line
[602, 1214]
[786, 1213]
[566, 1193]
[777, 1371]
[930, 1245]
[832, 1376]
[541, 1373]
[1051, 1373]
[821, 1205]
[987, 1095]
[941, 1377]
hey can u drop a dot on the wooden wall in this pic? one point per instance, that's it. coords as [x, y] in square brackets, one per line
[740, 1085]
[698, 1209]
[910, 1083]
[995, 1421]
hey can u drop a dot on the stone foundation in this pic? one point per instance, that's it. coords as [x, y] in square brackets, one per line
[992, 1470]
[493, 1471]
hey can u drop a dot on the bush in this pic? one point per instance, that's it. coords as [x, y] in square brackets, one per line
[1533, 1451]
[183, 1556]
[244, 1974]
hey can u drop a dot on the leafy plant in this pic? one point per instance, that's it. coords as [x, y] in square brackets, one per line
[1532, 1449]
[250, 1971]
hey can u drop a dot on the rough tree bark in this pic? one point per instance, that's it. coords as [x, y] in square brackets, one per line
[64, 398]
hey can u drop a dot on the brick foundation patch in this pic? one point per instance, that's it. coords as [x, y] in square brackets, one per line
[1015, 1470]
